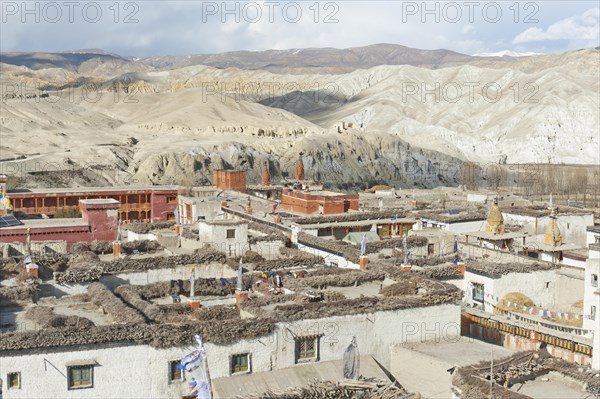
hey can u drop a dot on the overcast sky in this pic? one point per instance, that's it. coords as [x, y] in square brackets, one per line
[145, 28]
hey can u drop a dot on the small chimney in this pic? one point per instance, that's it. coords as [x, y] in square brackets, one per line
[33, 269]
[461, 268]
[117, 249]
[240, 297]
[364, 261]
[194, 305]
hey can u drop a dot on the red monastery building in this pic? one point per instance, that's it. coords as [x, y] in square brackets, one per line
[145, 204]
[318, 202]
[99, 222]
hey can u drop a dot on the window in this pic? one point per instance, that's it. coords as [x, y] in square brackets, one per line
[430, 249]
[478, 292]
[593, 313]
[13, 380]
[240, 363]
[231, 233]
[175, 374]
[171, 199]
[594, 280]
[80, 376]
[306, 349]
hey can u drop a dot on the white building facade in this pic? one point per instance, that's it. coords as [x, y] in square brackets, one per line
[572, 226]
[591, 300]
[135, 371]
[229, 236]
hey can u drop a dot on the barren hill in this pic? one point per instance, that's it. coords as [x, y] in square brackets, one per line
[157, 120]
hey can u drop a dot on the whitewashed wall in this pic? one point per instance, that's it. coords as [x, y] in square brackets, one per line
[182, 272]
[568, 286]
[458, 227]
[573, 262]
[137, 371]
[216, 236]
[329, 257]
[590, 297]
[133, 236]
[16, 248]
[533, 285]
[175, 273]
[591, 237]
[572, 227]
[467, 227]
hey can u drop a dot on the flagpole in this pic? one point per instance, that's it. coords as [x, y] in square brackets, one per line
[192, 281]
[212, 395]
[28, 247]
[492, 371]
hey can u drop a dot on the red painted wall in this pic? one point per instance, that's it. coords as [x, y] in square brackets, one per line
[136, 204]
[102, 223]
[163, 206]
[230, 180]
[307, 203]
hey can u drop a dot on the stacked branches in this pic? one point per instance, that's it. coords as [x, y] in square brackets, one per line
[105, 247]
[143, 228]
[218, 312]
[499, 269]
[353, 217]
[132, 298]
[18, 293]
[87, 267]
[333, 278]
[79, 276]
[271, 233]
[411, 242]
[308, 261]
[163, 262]
[210, 287]
[345, 389]
[45, 317]
[101, 296]
[474, 381]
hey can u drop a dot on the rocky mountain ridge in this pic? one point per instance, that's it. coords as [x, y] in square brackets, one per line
[375, 125]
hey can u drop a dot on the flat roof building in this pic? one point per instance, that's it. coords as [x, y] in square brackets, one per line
[144, 203]
[317, 202]
[99, 222]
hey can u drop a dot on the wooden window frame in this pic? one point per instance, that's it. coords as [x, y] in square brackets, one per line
[70, 380]
[8, 380]
[172, 370]
[476, 289]
[232, 366]
[300, 353]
